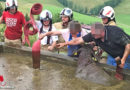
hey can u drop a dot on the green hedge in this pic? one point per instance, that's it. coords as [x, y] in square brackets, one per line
[112, 3]
[74, 7]
[93, 11]
[1, 9]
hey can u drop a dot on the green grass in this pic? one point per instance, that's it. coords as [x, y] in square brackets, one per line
[123, 19]
[51, 2]
[88, 3]
[122, 12]
[124, 22]
[123, 7]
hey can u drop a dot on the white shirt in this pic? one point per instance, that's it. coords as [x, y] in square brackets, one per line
[66, 33]
[44, 40]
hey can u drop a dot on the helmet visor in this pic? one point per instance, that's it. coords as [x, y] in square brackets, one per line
[102, 16]
[12, 7]
[45, 19]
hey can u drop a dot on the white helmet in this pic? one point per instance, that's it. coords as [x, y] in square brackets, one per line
[45, 15]
[108, 12]
[67, 12]
[10, 3]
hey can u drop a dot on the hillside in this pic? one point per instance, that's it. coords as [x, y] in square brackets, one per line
[88, 3]
[54, 7]
[123, 7]
[25, 5]
[50, 2]
[123, 19]
[123, 13]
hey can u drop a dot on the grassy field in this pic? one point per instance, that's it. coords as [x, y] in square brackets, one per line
[123, 15]
[123, 8]
[51, 2]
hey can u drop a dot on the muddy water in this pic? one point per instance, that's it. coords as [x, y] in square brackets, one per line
[54, 75]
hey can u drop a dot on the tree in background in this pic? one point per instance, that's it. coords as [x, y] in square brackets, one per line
[56, 18]
[74, 6]
[3, 0]
[93, 11]
[2, 28]
[112, 3]
[1, 9]
[27, 17]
